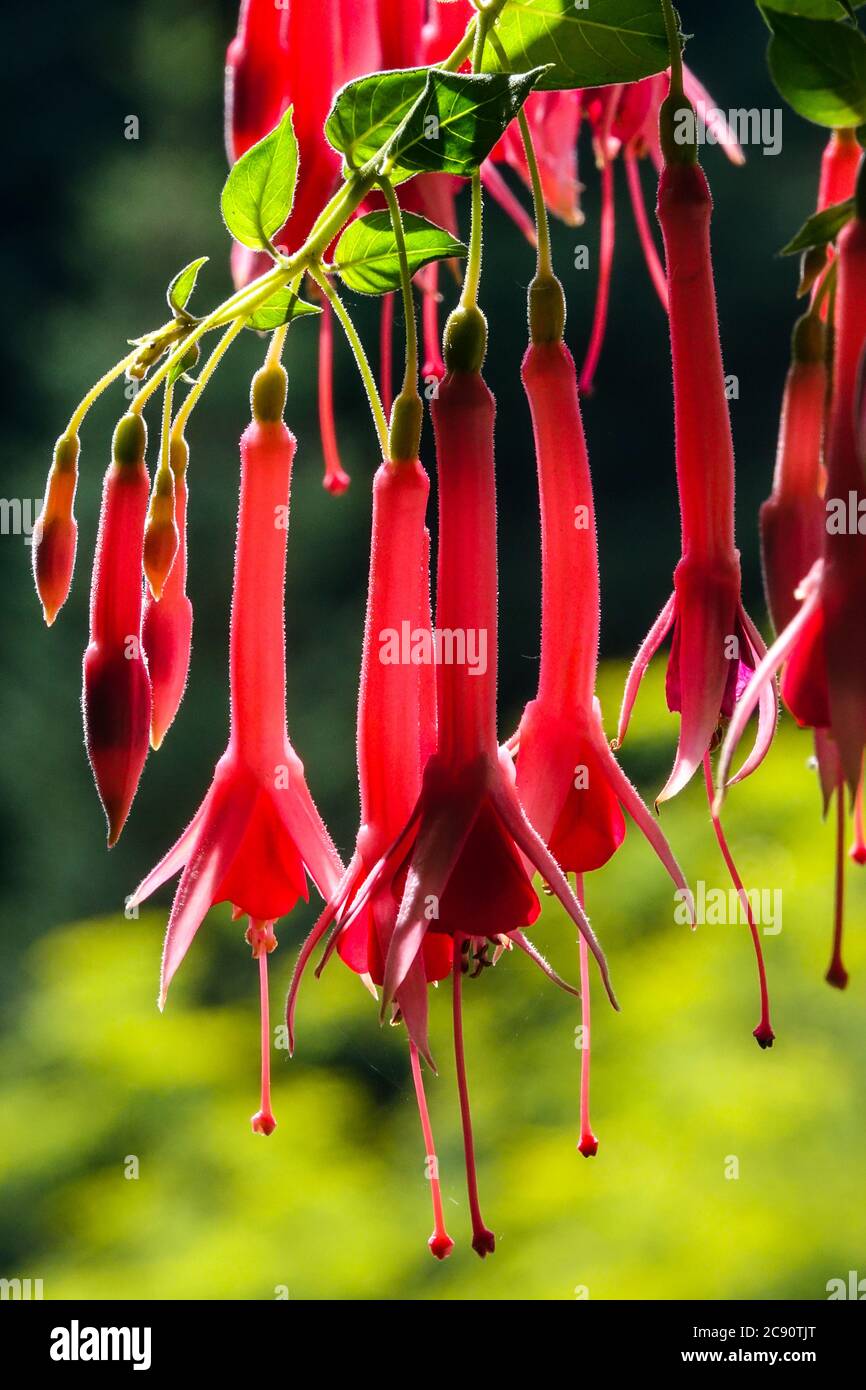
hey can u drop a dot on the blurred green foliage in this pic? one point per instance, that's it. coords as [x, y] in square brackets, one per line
[335, 1203]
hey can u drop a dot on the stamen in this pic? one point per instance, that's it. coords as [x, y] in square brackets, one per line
[260, 936]
[837, 975]
[588, 1144]
[483, 1240]
[605, 263]
[440, 1242]
[644, 231]
[763, 1034]
[336, 479]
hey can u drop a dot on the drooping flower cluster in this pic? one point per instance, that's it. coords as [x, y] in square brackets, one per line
[454, 825]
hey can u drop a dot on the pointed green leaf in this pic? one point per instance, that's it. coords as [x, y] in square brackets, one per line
[429, 121]
[456, 121]
[183, 284]
[588, 44]
[819, 68]
[283, 306]
[367, 112]
[820, 228]
[810, 9]
[366, 257]
[260, 189]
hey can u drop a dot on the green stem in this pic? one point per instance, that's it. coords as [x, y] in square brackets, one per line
[77, 417]
[204, 376]
[242, 303]
[360, 355]
[165, 436]
[542, 222]
[674, 49]
[410, 380]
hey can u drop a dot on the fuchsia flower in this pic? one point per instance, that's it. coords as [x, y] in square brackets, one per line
[821, 648]
[568, 780]
[116, 698]
[396, 734]
[55, 534]
[715, 645]
[625, 121]
[166, 632]
[257, 834]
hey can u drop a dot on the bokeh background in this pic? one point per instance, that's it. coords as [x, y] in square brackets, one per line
[335, 1204]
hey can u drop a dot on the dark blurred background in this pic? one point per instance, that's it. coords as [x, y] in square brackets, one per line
[95, 227]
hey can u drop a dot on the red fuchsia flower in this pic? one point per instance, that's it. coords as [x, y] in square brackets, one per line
[568, 780]
[396, 734]
[715, 645]
[821, 649]
[166, 632]
[792, 518]
[624, 121]
[116, 697]
[55, 534]
[457, 864]
[257, 834]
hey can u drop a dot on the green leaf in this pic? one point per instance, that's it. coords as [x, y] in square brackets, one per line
[456, 121]
[283, 306]
[587, 45]
[186, 364]
[366, 257]
[367, 112]
[183, 284]
[820, 228]
[429, 121]
[260, 189]
[819, 68]
[809, 9]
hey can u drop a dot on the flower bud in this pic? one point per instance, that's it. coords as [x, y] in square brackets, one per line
[160, 536]
[167, 625]
[56, 532]
[116, 697]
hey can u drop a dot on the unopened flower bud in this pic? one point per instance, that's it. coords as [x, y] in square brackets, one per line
[56, 532]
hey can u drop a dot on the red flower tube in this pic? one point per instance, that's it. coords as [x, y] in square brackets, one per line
[821, 649]
[569, 783]
[55, 534]
[116, 697]
[396, 728]
[257, 834]
[167, 625]
[792, 518]
[715, 643]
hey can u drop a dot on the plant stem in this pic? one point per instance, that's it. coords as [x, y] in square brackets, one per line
[542, 223]
[410, 380]
[165, 435]
[77, 416]
[676, 54]
[329, 223]
[360, 355]
[204, 377]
